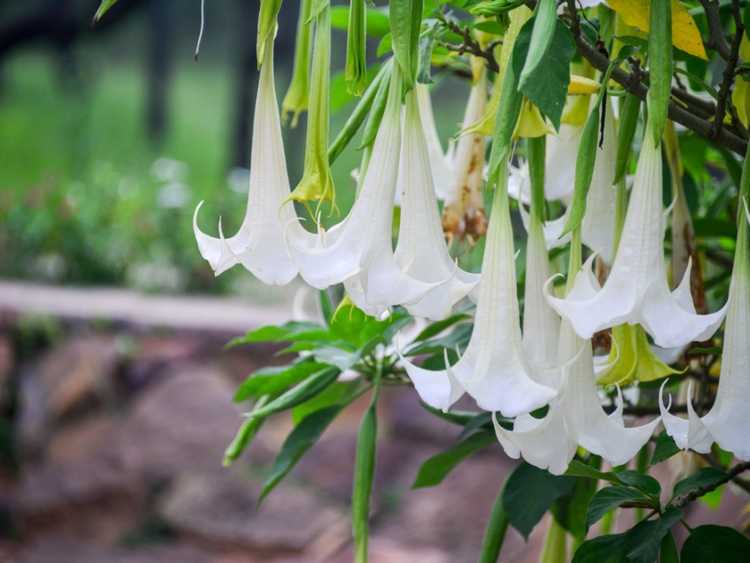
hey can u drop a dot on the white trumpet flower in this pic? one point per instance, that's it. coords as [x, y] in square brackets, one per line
[493, 369]
[728, 421]
[421, 252]
[598, 231]
[358, 251]
[541, 325]
[575, 418]
[259, 244]
[636, 290]
[441, 162]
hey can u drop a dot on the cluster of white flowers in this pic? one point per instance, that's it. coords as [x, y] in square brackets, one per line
[504, 369]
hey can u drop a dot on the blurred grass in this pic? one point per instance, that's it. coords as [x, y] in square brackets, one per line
[86, 199]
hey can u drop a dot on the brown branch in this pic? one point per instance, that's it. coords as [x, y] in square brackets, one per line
[469, 45]
[716, 39]
[698, 492]
[743, 484]
[729, 71]
[677, 113]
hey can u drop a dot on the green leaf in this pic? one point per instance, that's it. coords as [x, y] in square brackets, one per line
[612, 497]
[453, 416]
[377, 20]
[337, 393]
[644, 483]
[668, 550]
[604, 549]
[644, 540]
[103, 8]
[435, 469]
[579, 469]
[529, 493]
[437, 327]
[640, 544]
[364, 471]
[274, 380]
[274, 333]
[406, 21]
[715, 544]
[545, 20]
[352, 325]
[301, 439]
[244, 436]
[342, 359]
[299, 393]
[664, 448]
[350, 128]
[547, 85]
[704, 477]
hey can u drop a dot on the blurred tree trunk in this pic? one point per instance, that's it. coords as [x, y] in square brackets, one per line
[159, 69]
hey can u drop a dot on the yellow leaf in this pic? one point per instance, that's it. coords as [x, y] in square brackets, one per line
[685, 34]
[741, 100]
[582, 85]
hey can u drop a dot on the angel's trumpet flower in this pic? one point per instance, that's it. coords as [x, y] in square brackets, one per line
[493, 369]
[421, 252]
[728, 421]
[358, 251]
[636, 290]
[259, 244]
[575, 417]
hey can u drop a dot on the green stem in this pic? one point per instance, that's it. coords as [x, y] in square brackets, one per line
[621, 209]
[494, 534]
[574, 260]
[536, 148]
[555, 544]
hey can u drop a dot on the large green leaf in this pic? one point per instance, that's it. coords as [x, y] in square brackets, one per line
[406, 21]
[547, 85]
[704, 477]
[298, 394]
[612, 497]
[301, 439]
[640, 544]
[273, 333]
[336, 393]
[274, 380]
[529, 493]
[715, 544]
[436, 468]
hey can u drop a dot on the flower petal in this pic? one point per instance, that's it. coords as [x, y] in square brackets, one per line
[687, 434]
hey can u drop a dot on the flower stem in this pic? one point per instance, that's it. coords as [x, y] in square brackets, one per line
[494, 534]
